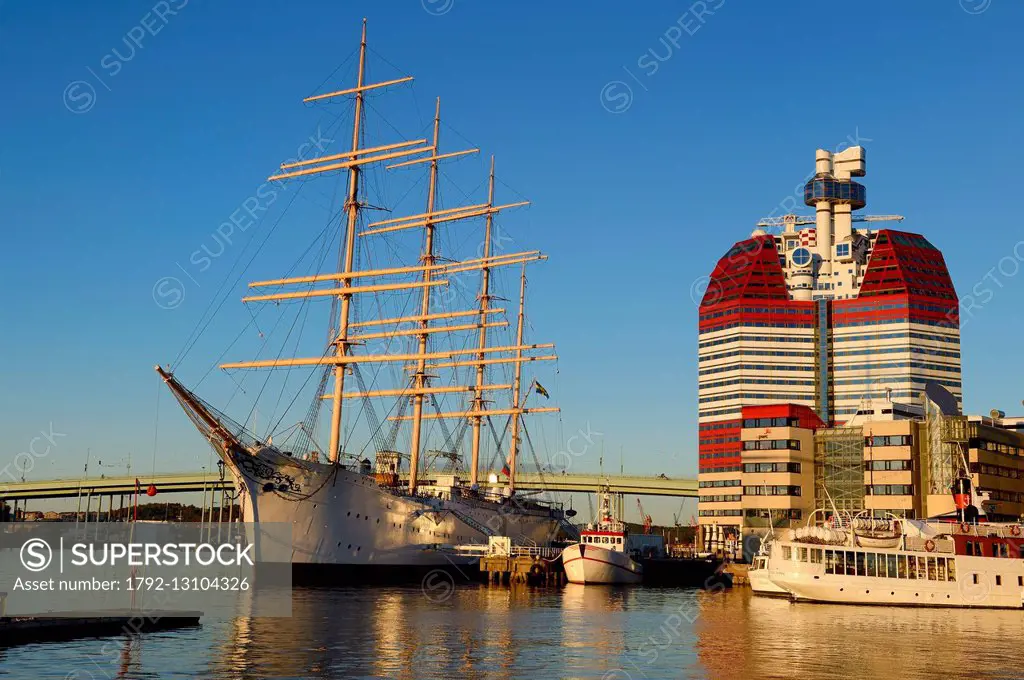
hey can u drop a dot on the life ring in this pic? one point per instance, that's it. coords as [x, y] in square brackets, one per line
[929, 545]
[965, 527]
[1015, 530]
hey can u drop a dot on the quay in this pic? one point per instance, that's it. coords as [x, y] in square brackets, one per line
[63, 626]
[504, 563]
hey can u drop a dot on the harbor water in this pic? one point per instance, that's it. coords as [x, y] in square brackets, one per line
[478, 631]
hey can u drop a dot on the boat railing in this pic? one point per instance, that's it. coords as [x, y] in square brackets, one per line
[937, 545]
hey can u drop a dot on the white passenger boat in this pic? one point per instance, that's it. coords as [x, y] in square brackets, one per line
[932, 564]
[760, 582]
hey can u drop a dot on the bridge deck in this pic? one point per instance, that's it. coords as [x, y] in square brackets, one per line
[193, 482]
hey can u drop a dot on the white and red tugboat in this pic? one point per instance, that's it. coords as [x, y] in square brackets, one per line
[606, 551]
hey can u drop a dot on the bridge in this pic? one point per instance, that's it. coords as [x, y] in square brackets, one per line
[191, 482]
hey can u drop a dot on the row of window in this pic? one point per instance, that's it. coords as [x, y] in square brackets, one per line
[733, 498]
[754, 367]
[755, 310]
[898, 350]
[902, 336]
[995, 470]
[889, 490]
[772, 445]
[708, 469]
[883, 322]
[750, 423]
[879, 565]
[605, 540]
[720, 513]
[889, 465]
[768, 490]
[899, 364]
[750, 324]
[774, 396]
[754, 381]
[715, 483]
[719, 440]
[890, 440]
[772, 467]
[722, 454]
[773, 514]
[753, 353]
[994, 447]
[755, 338]
[1009, 496]
[714, 413]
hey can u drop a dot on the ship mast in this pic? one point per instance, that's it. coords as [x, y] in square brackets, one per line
[485, 298]
[516, 384]
[420, 378]
[352, 208]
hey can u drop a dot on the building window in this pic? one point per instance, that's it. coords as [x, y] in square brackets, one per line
[888, 490]
[772, 445]
[771, 467]
[888, 465]
[890, 440]
[770, 490]
[843, 250]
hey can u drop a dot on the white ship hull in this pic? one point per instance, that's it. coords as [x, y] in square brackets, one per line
[981, 582]
[342, 518]
[760, 581]
[590, 564]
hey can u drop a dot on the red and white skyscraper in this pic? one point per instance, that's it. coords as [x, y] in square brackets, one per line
[833, 317]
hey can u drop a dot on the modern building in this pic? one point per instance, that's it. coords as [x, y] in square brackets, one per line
[831, 320]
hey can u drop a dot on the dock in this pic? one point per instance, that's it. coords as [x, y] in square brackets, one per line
[504, 563]
[64, 626]
[738, 572]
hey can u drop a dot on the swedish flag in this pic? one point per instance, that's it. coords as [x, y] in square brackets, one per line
[540, 390]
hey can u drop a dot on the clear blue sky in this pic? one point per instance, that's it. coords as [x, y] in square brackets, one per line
[633, 206]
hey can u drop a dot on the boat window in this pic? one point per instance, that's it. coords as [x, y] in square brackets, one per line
[830, 561]
[801, 554]
[851, 568]
[861, 571]
[619, 540]
[869, 562]
[932, 570]
[816, 555]
[911, 566]
[901, 566]
[787, 553]
[999, 580]
[891, 559]
[942, 569]
[951, 571]
[604, 539]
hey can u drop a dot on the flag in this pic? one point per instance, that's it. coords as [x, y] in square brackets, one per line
[506, 470]
[540, 390]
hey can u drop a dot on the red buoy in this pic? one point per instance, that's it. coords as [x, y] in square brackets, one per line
[151, 491]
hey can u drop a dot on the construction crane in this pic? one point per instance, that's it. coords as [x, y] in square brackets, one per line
[799, 220]
[644, 517]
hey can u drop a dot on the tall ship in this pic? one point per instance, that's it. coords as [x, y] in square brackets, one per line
[405, 359]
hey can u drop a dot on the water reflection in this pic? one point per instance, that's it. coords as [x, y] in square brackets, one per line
[742, 636]
[574, 632]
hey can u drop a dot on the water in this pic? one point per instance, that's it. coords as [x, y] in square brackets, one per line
[485, 632]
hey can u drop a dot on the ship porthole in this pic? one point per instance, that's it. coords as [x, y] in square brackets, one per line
[268, 487]
[349, 546]
[349, 514]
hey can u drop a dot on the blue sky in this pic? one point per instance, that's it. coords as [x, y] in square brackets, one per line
[649, 138]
